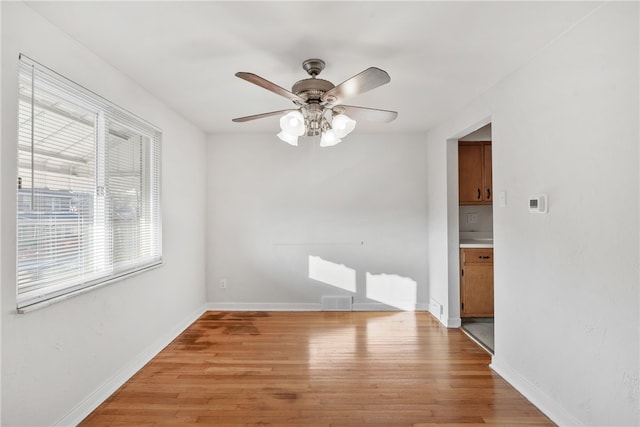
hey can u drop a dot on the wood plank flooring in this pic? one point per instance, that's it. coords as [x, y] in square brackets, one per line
[317, 369]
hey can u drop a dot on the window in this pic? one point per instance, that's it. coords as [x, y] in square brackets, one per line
[88, 189]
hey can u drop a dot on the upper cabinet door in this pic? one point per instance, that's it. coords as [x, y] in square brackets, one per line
[470, 184]
[486, 173]
[474, 173]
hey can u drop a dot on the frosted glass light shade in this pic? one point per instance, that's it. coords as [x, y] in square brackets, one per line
[342, 125]
[292, 123]
[329, 139]
[288, 138]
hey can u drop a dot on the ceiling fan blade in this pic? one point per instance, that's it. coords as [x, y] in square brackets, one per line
[365, 81]
[266, 84]
[260, 116]
[367, 114]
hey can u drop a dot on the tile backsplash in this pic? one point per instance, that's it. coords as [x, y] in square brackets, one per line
[484, 216]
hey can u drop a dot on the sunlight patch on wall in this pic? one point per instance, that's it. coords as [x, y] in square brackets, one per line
[333, 274]
[393, 290]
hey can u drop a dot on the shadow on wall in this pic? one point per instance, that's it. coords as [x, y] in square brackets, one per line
[390, 289]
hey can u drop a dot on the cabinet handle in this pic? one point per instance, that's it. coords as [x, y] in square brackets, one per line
[479, 194]
[488, 194]
[484, 257]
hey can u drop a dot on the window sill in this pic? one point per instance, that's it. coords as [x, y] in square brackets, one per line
[47, 302]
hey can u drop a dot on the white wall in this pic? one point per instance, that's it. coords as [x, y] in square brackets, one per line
[566, 283]
[55, 357]
[359, 206]
[482, 134]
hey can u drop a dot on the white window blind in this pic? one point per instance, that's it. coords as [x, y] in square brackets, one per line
[88, 189]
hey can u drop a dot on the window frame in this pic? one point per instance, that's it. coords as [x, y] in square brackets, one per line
[151, 185]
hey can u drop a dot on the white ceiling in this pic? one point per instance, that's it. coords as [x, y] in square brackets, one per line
[440, 55]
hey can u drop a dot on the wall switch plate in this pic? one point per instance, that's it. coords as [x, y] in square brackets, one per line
[502, 199]
[472, 218]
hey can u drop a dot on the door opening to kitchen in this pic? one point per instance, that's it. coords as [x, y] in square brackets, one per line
[475, 195]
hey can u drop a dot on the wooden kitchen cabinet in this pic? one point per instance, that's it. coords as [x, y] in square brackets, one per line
[476, 282]
[474, 173]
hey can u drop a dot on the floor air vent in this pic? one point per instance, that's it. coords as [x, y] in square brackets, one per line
[337, 303]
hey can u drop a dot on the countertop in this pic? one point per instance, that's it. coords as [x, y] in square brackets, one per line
[472, 239]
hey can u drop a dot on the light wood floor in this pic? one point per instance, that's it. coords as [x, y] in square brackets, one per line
[317, 369]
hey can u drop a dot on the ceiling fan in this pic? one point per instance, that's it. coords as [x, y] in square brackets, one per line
[319, 108]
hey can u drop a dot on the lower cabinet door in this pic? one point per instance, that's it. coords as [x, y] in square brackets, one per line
[476, 290]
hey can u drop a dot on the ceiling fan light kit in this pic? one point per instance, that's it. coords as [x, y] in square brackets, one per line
[320, 110]
[293, 126]
[288, 138]
[342, 125]
[329, 139]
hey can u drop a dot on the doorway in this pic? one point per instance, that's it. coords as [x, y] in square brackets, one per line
[475, 236]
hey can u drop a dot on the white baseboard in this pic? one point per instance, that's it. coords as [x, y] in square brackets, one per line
[244, 306]
[436, 309]
[100, 394]
[437, 316]
[262, 306]
[541, 400]
[372, 306]
[453, 322]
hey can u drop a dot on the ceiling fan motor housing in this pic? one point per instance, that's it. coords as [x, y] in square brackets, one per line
[312, 89]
